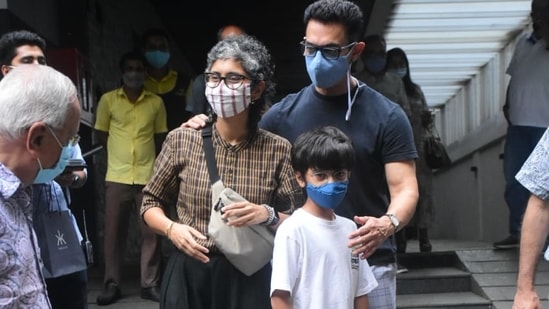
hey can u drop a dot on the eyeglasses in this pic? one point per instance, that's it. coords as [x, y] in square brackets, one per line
[232, 80]
[72, 141]
[329, 52]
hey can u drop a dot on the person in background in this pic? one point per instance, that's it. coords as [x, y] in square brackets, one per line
[527, 114]
[23, 47]
[40, 118]
[376, 76]
[197, 103]
[382, 192]
[534, 176]
[322, 160]
[131, 125]
[397, 63]
[171, 85]
[238, 77]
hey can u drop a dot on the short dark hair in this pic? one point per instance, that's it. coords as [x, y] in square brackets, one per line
[374, 38]
[10, 41]
[342, 12]
[131, 55]
[220, 31]
[325, 148]
[154, 32]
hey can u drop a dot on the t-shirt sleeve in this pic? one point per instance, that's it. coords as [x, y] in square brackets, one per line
[285, 259]
[366, 280]
[398, 139]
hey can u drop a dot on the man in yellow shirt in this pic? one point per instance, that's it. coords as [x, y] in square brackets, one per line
[162, 80]
[131, 124]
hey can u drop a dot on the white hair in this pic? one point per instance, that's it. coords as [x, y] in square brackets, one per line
[33, 93]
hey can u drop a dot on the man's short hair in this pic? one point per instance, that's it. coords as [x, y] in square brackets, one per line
[33, 93]
[131, 55]
[152, 32]
[341, 12]
[10, 41]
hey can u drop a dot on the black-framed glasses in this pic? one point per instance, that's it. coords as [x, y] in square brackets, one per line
[232, 80]
[328, 52]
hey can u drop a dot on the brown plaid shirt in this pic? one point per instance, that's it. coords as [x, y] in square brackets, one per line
[259, 169]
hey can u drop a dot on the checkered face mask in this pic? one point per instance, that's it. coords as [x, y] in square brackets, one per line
[227, 102]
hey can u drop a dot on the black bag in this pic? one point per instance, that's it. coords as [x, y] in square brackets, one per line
[436, 156]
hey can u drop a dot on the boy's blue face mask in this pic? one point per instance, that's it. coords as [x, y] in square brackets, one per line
[328, 195]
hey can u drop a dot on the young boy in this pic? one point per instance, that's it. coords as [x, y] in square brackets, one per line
[312, 265]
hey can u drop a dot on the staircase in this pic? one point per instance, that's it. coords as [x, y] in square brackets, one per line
[437, 280]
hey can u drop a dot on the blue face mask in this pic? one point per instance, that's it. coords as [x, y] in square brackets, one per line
[401, 72]
[48, 174]
[325, 73]
[328, 195]
[157, 58]
[375, 64]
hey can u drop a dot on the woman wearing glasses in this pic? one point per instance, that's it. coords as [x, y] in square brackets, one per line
[251, 161]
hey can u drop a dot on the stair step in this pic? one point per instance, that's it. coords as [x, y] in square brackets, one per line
[433, 280]
[454, 300]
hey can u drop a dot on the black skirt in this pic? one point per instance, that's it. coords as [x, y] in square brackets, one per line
[190, 284]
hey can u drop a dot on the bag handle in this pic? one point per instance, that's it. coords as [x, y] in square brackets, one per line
[207, 145]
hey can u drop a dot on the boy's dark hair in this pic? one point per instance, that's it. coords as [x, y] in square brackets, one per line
[342, 12]
[132, 55]
[10, 41]
[326, 148]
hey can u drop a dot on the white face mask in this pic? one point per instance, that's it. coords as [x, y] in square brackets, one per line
[133, 79]
[227, 102]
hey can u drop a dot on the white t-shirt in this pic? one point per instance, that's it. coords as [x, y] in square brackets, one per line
[311, 261]
[528, 96]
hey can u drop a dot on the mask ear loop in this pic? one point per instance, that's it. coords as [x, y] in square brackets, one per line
[350, 101]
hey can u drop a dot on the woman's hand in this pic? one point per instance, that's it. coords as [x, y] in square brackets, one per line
[183, 237]
[244, 214]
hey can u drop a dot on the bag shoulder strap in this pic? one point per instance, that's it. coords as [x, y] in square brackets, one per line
[207, 145]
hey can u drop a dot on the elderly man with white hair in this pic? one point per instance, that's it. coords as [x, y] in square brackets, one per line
[40, 118]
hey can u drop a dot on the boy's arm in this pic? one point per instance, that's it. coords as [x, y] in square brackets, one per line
[361, 302]
[281, 300]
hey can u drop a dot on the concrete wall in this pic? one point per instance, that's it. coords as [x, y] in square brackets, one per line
[469, 202]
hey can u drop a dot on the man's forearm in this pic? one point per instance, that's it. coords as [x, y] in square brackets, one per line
[535, 228]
